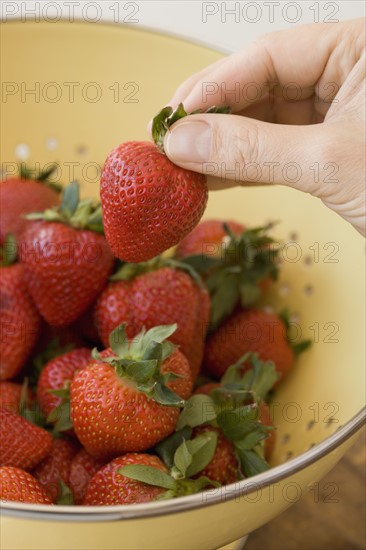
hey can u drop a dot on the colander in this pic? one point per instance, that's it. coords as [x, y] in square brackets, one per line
[71, 92]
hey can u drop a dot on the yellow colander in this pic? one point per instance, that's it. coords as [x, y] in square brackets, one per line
[70, 93]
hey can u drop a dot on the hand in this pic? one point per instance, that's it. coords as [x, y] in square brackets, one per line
[297, 98]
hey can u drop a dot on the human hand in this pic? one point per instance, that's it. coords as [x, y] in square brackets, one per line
[304, 129]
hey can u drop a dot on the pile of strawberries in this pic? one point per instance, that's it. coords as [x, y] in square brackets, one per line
[127, 376]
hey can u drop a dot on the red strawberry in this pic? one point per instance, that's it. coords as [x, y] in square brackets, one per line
[20, 486]
[209, 238]
[224, 466]
[19, 321]
[82, 469]
[22, 195]
[23, 444]
[57, 375]
[66, 265]
[162, 296]
[251, 330]
[11, 394]
[54, 470]
[127, 399]
[108, 487]
[149, 203]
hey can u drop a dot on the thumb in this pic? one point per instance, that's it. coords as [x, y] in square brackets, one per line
[246, 150]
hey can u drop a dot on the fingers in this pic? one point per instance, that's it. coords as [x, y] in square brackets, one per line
[240, 149]
[245, 77]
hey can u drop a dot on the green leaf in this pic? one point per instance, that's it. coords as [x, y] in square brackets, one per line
[300, 347]
[249, 293]
[65, 496]
[179, 113]
[182, 460]
[201, 263]
[118, 341]
[238, 422]
[158, 334]
[160, 126]
[149, 475]
[168, 349]
[202, 449]
[203, 482]
[60, 417]
[153, 351]
[70, 199]
[225, 296]
[9, 250]
[251, 463]
[141, 371]
[165, 396]
[166, 448]
[257, 380]
[198, 409]
[252, 439]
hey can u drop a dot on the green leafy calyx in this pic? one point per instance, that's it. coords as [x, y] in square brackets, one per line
[167, 117]
[77, 213]
[42, 176]
[140, 360]
[190, 458]
[235, 275]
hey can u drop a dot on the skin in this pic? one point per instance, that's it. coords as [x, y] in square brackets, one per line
[319, 118]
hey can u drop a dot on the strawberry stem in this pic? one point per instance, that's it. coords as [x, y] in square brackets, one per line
[167, 117]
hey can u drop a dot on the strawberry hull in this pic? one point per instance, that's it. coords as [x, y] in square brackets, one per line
[149, 204]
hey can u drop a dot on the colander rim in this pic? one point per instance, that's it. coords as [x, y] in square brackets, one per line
[192, 502]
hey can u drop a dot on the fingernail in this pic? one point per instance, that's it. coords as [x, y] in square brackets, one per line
[189, 142]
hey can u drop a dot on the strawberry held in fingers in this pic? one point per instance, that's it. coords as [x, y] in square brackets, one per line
[149, 203]
[19, 321]
[66, 259]
[128, 397]
[24, 194]
[19, 486]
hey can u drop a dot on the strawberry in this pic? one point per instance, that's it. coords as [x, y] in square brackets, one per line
[208, 238]
[11, 396]
[55, 377]
[54, 471]
[20, 486]
[19, 322]
[82, 469]
[224, 466]
[127, 398]
[237, 269]
[22, 195]
[250, 330]
[23, 444]
[108, 486]
[66, 262]
[149, 204]
[161, 293]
